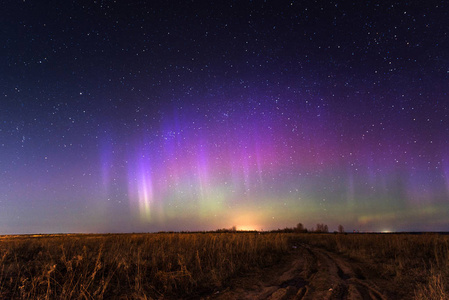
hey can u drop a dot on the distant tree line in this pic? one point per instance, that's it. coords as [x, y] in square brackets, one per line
[222, 230]
[300, 228]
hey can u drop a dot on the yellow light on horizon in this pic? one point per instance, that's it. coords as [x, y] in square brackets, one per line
[248, 228]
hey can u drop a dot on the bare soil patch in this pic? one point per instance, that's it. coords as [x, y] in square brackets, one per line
[311, 273]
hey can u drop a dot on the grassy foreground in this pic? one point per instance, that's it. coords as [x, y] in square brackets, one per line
[183, 265]
[416, 264]
[130, 266]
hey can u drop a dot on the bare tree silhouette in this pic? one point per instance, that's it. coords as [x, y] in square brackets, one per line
[300, 228]
[321, 228]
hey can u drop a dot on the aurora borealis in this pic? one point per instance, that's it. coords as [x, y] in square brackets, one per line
[121, 116]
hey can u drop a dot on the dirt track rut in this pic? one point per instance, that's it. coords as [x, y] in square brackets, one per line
[308, 273]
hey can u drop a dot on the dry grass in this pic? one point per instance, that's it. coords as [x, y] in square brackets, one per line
[175, 265]
[133, 266]
[418, 263]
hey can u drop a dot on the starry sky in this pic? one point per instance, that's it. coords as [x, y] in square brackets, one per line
[142, 116]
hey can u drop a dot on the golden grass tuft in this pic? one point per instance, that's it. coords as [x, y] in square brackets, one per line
[138, 266]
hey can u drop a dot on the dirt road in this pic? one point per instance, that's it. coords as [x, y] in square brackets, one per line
[308, 273]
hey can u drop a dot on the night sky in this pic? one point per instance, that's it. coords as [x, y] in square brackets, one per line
[131, 116]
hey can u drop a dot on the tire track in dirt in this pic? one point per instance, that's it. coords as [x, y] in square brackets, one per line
[307, 273]
[337, 278]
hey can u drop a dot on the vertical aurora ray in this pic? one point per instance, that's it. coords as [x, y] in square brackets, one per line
[446, 175]
[140, 186]
[202, 171]
[145, 194]
[106, 161]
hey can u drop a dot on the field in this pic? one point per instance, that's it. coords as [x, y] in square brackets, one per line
[225, 266]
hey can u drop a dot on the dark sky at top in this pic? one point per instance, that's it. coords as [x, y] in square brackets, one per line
[120, 116]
